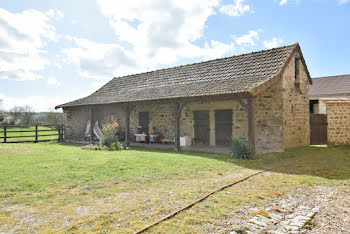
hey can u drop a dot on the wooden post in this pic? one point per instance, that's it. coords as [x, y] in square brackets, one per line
[127, 125]
[251, 123]
[36, 133]
[5, 128]
[62, 132]
[59, 133]
[177, 113]
[92, 125]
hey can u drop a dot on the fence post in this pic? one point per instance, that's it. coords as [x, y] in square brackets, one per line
[36, 133]
[59, 133]
[5, 127]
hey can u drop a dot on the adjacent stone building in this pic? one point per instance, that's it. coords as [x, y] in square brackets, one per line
[327, 87]
[261, 97]
[329, 102]
[338, 119]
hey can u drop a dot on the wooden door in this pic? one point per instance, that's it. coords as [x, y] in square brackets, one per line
[201, 127]
[318, 129]
[223, 127]
[144, 121]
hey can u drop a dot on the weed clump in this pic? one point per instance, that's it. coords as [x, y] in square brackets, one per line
[240, 149]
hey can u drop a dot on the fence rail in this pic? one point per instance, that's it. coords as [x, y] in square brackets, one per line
[10, 132]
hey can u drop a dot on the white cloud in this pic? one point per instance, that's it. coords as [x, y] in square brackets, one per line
[151, 34]
[103, 61]
[248, 39]
[42, 103]
[53, 81]
[23, 37]
[236, 9]
[273, 43]
[98, 60]
[342, 2]
[283, 2]
[56, 14]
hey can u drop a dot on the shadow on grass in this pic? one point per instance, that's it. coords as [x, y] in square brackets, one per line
[328, 162]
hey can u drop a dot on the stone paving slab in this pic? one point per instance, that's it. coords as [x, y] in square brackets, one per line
[290, 219]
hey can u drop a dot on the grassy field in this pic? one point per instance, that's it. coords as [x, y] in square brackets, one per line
[50, 187]
[29, 135]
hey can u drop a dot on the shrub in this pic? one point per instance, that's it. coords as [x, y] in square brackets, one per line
[240, 149]
[116, 146]
[110, 136]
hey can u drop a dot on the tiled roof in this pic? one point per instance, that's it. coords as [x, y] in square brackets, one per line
[331, 85]
[236, 74]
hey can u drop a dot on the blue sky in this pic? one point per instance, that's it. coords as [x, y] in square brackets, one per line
[52, 52]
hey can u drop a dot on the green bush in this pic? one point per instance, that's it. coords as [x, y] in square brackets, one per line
[116, 146]
[110, 137]
[240, 149]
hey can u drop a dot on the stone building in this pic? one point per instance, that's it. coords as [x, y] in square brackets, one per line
[261, 97]
[327, 87]
[330, 110]
[338, 120]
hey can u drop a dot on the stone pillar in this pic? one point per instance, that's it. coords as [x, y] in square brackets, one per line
[177, 113]
[251, 123]
[212, 128]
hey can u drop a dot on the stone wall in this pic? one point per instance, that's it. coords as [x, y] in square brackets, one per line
[77, 118]
[161, 118]
[109, 114]
[321, 107]
[239, 118]
[282, 112]
[338, 116]
[296, 113]
[269, 119]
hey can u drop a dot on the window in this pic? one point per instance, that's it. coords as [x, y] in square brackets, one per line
[312, 107]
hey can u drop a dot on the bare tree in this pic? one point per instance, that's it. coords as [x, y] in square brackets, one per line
[2, 117]
[16, 113]
[55, 117]
[27, 115]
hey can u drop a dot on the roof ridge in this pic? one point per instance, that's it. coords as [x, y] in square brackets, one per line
[323, 77]
[207, 61]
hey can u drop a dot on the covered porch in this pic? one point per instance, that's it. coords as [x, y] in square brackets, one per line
[198, 120]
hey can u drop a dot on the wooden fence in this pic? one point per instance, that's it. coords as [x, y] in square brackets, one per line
[10, 132]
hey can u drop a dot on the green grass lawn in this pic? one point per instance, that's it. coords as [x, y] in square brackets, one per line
[29, 134]
[61, 187]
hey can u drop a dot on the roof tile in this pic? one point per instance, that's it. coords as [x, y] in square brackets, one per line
[330, 85]
[236, 74]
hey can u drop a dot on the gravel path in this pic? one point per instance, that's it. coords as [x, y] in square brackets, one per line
[311, 209]
[334, 215]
